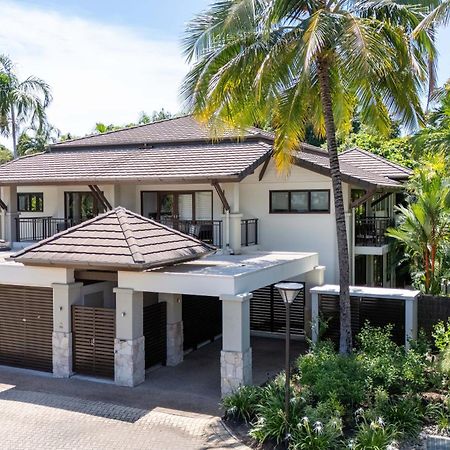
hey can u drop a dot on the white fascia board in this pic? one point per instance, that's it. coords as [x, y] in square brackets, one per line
[20, 275]
[217, 284]
[363, 291]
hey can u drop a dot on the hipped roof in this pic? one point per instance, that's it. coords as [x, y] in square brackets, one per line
[117, 239]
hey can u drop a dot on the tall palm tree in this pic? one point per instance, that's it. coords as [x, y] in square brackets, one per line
[20, 101]
[304, 62]
[438, 15]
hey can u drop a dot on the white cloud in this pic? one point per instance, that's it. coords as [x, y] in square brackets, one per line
[97, 72]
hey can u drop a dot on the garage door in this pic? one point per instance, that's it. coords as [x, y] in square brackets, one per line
[26, 326]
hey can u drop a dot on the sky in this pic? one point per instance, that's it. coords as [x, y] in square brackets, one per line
[106, 61]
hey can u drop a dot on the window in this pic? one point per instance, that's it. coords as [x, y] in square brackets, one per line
[299, 202]
[30, 202]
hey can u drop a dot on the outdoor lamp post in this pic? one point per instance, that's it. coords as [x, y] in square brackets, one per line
[288, 292]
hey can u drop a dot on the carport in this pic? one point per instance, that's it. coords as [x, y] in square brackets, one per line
[137, 271]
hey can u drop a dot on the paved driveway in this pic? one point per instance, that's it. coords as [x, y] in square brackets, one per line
[41, 419]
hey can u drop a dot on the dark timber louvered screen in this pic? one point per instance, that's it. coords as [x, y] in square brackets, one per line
[432, 310]
[155, 334]
[268, 312]
[26, 327]
[94, 330]
[202, 320]
[378, 312]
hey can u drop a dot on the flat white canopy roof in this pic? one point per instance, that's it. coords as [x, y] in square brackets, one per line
[363, 291]
[222, 274]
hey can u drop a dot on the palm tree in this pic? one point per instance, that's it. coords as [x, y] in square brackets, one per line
[20, 101]
[304, 62]
[439, 15]
[424, 228]
[435, 136]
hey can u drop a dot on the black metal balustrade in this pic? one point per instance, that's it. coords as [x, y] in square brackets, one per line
[209, 231]
[249, 232]
[371, 231]
[31, 229]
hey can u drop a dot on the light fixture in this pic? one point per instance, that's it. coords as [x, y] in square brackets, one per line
[289, 291]
[124, 314]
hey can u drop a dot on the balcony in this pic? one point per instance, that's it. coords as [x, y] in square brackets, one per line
[33, 229]
[371, 231]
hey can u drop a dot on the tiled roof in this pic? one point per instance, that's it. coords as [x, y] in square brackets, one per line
[189, 162]
[118, 239]
[316, 159]
[176, 130]
[374, 164]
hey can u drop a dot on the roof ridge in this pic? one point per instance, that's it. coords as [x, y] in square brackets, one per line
[122, 216]
[124, 128]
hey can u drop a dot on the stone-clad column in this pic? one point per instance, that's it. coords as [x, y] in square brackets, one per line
[174, 328]
[129, 345]
[64, 296]
[236, 355]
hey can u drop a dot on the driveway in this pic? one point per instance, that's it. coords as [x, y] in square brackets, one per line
[176, 408]
[36, 419]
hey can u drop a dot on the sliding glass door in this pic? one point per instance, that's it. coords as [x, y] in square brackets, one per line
[80, 206]
[181, 206]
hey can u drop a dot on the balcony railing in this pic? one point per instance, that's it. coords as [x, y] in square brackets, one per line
[371, 231]
[209, 231]
[31, 229]
[249, 232]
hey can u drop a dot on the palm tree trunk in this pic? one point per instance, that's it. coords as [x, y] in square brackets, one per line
[345, 343]
[14, 131]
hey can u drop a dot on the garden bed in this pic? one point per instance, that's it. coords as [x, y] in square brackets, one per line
[379, 397]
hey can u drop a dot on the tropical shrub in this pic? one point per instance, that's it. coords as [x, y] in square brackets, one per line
[309, 435]
[389, 366]
[441, 335]
[242, 404]
[330, 375]
[373, 434]
[438, 413]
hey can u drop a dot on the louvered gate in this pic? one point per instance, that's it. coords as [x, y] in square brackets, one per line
[268, 312]
[94, 330]
[155, 334]
[26, 327]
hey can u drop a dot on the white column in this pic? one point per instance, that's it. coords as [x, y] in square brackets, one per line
[174, 327]
[236, 355]
[64, 296]
[9, 196]
[129, 345]
[311, 279]
[410, 320]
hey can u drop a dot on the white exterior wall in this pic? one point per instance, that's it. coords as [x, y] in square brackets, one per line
[293, 232]
[276, 232]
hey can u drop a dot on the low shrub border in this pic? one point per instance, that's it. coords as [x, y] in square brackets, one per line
[379, 397]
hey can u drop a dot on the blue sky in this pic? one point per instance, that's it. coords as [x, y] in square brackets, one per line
[109, 60]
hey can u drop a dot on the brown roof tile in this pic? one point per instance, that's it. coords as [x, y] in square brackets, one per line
[131, 242]
[175, 130]
[188, 162]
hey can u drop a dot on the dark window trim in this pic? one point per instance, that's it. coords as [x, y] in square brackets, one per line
[30, 194]
[309, 211]
[159, 193]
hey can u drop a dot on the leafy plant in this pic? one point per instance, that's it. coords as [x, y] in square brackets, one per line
[438, 413]
[241, 404]
[308, 435]
[372, 434]
[441, 335]
[330, 375]
[271, 422]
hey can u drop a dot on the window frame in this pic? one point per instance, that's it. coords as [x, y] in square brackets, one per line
[308, 191]
[29, 202]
